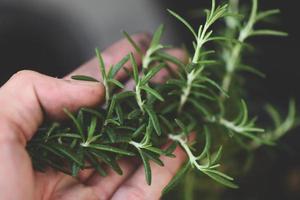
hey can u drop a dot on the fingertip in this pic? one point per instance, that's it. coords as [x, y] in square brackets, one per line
[70, 94]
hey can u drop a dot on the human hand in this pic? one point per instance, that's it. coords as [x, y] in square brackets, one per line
[29, 97]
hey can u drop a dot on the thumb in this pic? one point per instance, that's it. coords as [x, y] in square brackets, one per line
[28, 96]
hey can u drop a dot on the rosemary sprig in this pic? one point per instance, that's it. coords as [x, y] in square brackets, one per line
[138, 122]
[233, 55]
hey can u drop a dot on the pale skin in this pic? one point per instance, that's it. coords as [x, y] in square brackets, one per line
[28, 97]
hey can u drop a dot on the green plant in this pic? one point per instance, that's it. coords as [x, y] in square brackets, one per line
[198, 99]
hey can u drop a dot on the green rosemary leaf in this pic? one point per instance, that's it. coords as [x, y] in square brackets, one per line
[134, 114]
[127, 128]
[217, 156]
[78, 126]
[226, 39]
[115, 98]
[50, 131]
[170, 108]
[111, 108]
[167, 57]
[179, 175]
[265, 14]
[251, 70]
[199, 107]
[73, 143]
[268, 32]
[96, 164]
[221, 174]
[115, 82]
[93, 112]
[220, 179]
[84, 78]
[203, 95]
[234, 15]
[253, 13]
[147, 137]
[130, 40]
[206, 53]
[92, 127]
[55, 166]
[167, 123]
[50, 149]
[156, 150]
[282, 127]
[116, 138]
[75, 166]
[139, 131]
[245, 113]
[255, 138]
[101, 64]
[124, 95]
[112, 121]
[210, 81]
[207, 146]
[152, 92]
[147, 167]
[152, 72]
[274, 114]
[171, 148]
[65, 135]
[135, 68]
[128, 72]
[110, 149]
[120, 114]
[109, 161]
[154, 158]
[116, 68]
[181, 126]
[65, 152]
[184, 22]
[179, 83]
[157, 36]
[112, 136]
[154, 119]
[207, 62]
[79, 118]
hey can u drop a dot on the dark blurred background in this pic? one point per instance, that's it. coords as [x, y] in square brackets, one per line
[55, 36]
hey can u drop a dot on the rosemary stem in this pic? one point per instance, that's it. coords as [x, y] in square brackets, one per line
[233, 60]
[187, 90]
[182, 140]
[147, 59]
[231, 65]
[189, 186]
[139, 98]
[107, 93]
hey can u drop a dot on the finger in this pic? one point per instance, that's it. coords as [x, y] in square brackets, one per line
[136, 187]
[113, 55]
[28, 95]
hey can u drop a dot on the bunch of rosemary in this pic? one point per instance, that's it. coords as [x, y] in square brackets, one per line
[202, 97]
